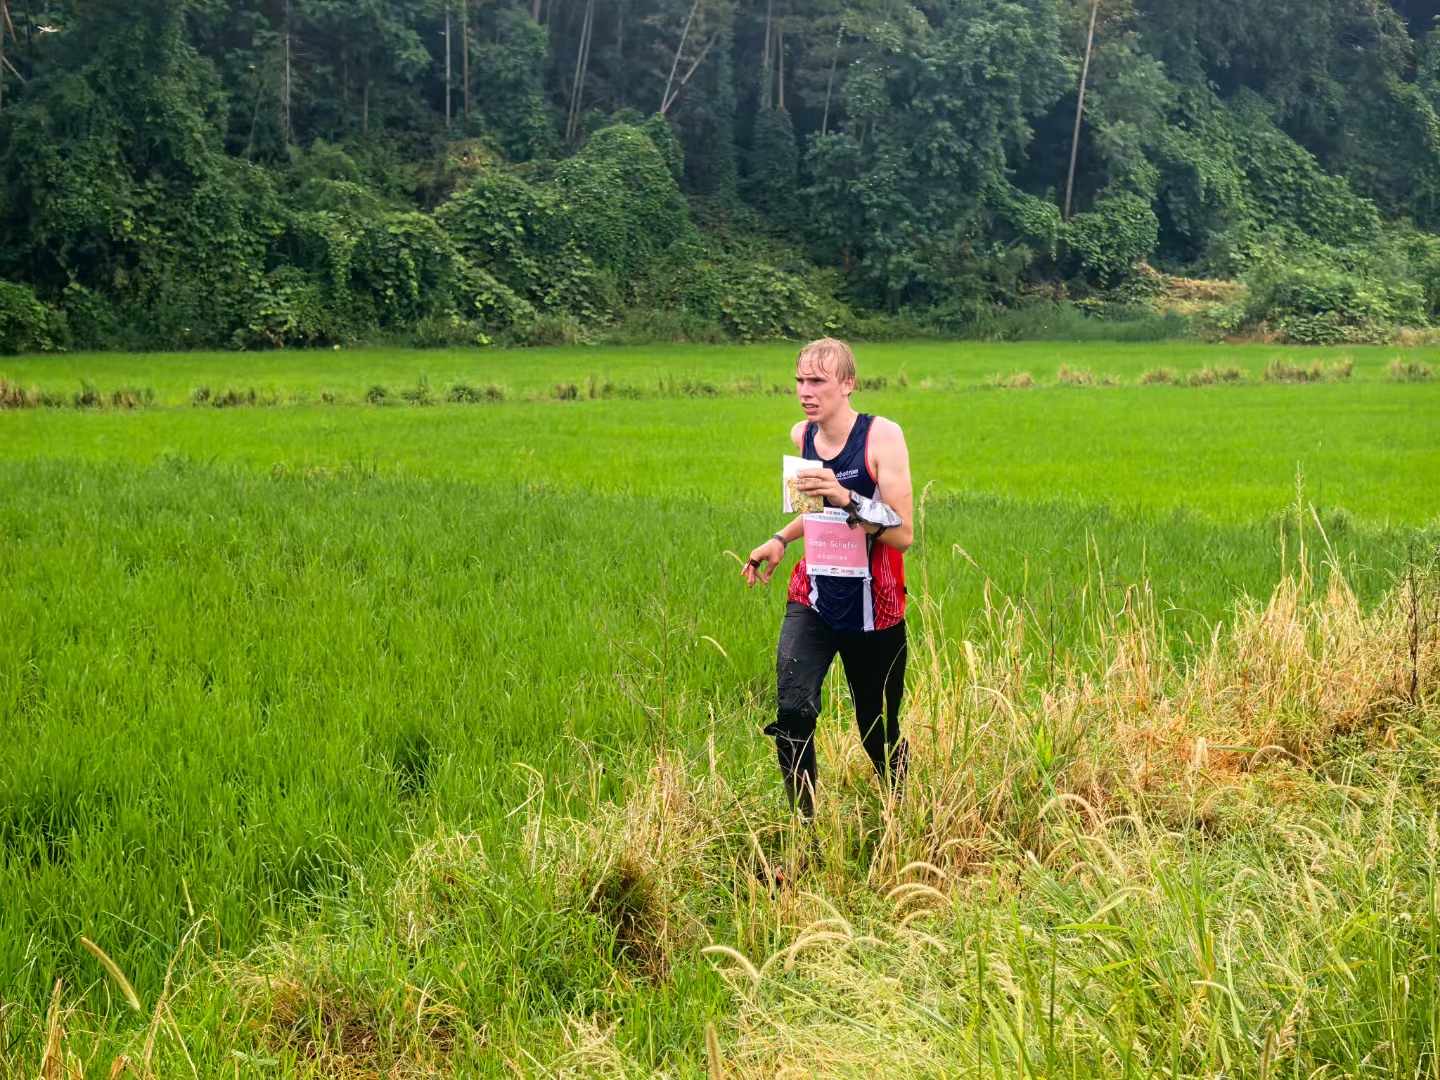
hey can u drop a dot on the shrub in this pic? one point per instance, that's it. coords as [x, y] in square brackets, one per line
[1068, 376]
[464, 393]
[1046, 320]
[1409, 370]
[90, 317]
[496, 306]
[443, 331]
[234, 398]
[131, 397]
[555, 328]
[27, 325]
[755, 301]
[15, 396]
[1019, 380]
[1209, 376]
[377, 395]
[420, 393]
[520, 257]
[1111, 239]
[1155, 376]
[289, 308]
[623, 206]
[641, 326]
[1313, 301]
[1282, 370]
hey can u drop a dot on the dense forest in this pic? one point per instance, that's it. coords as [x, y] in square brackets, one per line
[267, 173]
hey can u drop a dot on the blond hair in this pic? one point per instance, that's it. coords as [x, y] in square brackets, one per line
[830, 354]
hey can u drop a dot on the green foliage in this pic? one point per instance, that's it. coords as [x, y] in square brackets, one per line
[772, 180]
[1037, 319]
[27, 325]
[620, 202]
[938, 114]
[407, 267]
[658, 130]
[185, 174]
[1108, 240]
[288, 309]
[517, 234]
[1315, 301]
[759, 301]
[1231, 179]
[513, 103]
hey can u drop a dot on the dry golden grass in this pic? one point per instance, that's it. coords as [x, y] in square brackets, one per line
[1018, 380]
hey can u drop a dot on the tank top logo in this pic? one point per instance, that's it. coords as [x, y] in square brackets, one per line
[848, 474]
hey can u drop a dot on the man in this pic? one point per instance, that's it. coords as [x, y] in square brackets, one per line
[853, 604]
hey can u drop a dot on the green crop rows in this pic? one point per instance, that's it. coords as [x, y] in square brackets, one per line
[253, 660]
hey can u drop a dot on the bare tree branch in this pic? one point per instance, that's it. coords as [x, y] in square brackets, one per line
[665, 106]
[665, 97]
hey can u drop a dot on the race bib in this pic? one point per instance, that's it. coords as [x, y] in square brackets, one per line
[833, 548]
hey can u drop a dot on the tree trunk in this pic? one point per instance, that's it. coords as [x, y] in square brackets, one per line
[780, 66]
[285, 96]
[465, 57]
[765, 55]
[675, 64]
[830, 82]
[447, 65]
[582, 66]
[1080, 109]
[535, 10]
[4, 22]
[690, 71]
[365, 107]
[620, 80]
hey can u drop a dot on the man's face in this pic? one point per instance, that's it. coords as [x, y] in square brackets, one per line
[821, 395]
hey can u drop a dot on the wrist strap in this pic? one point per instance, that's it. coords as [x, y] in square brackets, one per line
[783, 542]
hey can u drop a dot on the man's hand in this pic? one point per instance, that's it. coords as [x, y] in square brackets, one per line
[822, 482]
[763, 561]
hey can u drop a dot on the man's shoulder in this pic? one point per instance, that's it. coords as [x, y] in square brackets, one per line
[887, 429]
[797, 431]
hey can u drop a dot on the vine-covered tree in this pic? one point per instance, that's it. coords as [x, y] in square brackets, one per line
[289, 171]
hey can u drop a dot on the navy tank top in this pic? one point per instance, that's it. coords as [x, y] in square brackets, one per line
[871, 603]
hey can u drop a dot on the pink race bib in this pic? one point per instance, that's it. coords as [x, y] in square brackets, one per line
[833, 548]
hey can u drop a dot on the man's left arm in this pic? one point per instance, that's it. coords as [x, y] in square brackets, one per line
[891, 460]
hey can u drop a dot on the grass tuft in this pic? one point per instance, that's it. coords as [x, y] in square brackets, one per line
[1401, 370]
[1282, 370]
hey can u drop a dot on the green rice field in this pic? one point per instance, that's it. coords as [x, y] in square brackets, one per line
[392, 738]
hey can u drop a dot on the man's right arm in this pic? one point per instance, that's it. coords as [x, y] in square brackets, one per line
[764, 560]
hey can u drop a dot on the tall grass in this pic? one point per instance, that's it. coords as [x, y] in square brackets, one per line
[1109, 862]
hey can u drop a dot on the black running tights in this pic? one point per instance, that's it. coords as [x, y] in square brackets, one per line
[874, 663]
